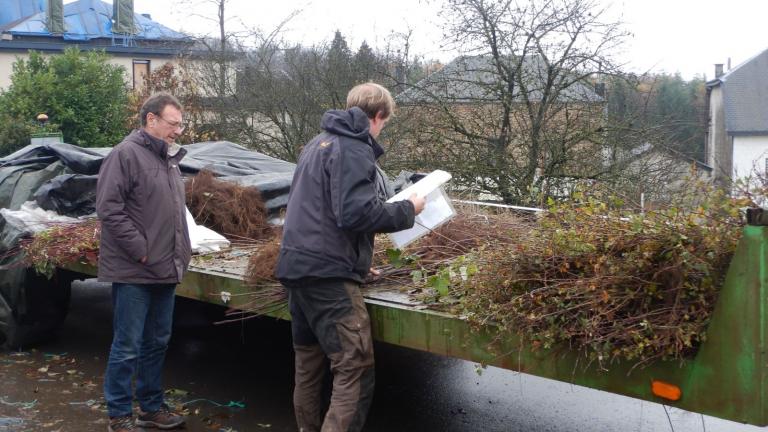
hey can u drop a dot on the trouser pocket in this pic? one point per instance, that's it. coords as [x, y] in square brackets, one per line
[354, 332]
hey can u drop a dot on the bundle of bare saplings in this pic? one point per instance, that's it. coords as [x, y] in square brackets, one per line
[588, 273]
[612, 284]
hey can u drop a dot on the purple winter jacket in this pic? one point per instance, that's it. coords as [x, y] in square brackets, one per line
[140, 201]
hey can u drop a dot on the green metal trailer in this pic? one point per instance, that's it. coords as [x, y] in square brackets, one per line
[728, 378]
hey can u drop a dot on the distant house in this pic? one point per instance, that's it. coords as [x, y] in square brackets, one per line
[737, 135]
[133, 41]
[474, 80]
[469, 115]
[573, 151]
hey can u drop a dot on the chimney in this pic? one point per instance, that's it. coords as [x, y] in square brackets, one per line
[718, 70]
[729, 64]
[54, 16]
[122, 17]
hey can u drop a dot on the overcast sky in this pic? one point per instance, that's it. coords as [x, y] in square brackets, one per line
[686, 36]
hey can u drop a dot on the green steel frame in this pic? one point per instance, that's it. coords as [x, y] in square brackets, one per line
[728, 378]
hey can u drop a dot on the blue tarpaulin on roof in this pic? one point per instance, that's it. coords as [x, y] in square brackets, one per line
[14, 10]
[90, 19]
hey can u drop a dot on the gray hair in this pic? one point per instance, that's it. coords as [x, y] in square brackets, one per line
[156, 103]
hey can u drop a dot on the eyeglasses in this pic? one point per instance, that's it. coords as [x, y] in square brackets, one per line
[175, 125]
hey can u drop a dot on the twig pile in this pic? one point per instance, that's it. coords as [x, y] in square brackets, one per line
[235, 211]
[61, 245]
[465, 233]
[612, 285]
[640, 288]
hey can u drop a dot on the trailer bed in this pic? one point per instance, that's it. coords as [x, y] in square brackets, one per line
[728, 378]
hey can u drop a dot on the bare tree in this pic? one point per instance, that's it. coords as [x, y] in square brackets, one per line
[283, 90]
[517, 114]
[265, 93]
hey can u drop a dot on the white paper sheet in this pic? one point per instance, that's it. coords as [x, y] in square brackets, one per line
[437, 211]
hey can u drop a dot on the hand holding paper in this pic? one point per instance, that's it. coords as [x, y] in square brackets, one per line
[418, 202]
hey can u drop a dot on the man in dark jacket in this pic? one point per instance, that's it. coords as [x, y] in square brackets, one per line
[337, 204]
[144, 251]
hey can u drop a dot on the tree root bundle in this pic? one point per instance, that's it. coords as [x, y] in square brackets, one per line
[261, 265]
[237, 212]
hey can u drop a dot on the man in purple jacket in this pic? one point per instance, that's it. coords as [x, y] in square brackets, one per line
[144, 252]
[337, 204]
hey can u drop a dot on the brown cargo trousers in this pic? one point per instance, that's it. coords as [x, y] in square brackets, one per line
[329, 319]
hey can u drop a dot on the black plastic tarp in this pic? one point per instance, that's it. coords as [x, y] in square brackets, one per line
[68, 194]
[26, 172]
[225, 158]
[78, 159]
[274, 187]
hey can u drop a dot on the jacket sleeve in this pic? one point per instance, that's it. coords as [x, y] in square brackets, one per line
[112, 190]
[354, 201]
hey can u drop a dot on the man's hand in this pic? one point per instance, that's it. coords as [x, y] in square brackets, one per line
[143, 260]
[372, 272]
[418, 203]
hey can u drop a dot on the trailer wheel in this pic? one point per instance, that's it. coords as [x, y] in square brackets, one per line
[38, 312]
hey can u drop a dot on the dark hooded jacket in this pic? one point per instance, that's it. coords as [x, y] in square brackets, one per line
[337, 204]
[140, 202]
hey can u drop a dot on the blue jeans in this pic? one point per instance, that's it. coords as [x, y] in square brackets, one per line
[143, 315]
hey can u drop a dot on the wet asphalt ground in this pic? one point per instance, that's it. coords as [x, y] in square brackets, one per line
[238, 377]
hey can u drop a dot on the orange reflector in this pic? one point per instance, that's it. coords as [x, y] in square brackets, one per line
[666, 390]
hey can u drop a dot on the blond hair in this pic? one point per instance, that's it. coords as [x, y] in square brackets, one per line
[372, 98]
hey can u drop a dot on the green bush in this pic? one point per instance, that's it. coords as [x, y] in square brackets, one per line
[80, 91]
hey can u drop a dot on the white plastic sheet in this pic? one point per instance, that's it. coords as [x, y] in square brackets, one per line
[204, 239]
[31, 218]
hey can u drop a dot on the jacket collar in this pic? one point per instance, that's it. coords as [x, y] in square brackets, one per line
[156, 145]
[378, 150]
[160, 147]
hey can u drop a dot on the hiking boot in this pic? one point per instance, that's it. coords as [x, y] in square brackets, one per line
[121, 424]
[163, 418]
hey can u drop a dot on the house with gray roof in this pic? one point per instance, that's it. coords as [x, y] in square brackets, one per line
[474, 80]
[469, 85]
[737, 135]
[132, 40]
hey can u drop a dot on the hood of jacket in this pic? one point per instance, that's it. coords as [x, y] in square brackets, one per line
[353, 123]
